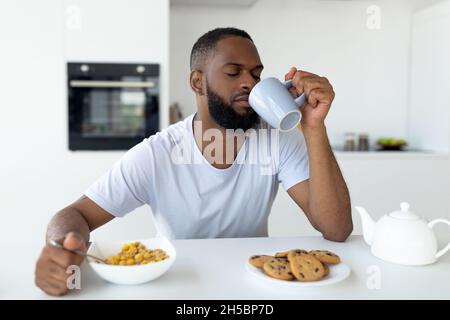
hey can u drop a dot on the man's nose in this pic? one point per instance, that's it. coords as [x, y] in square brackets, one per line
[248, 82]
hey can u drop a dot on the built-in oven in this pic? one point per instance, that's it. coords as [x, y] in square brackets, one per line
[111, 106]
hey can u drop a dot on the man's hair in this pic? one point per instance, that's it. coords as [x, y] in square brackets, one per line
[207, 43]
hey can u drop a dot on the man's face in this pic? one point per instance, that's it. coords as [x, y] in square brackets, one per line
[232, 72]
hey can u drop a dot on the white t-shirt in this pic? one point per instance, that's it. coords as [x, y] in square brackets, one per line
[189, 197]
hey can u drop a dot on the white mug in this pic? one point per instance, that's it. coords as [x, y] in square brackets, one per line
[273, 102]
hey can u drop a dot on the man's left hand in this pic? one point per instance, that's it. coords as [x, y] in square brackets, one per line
[319, 94]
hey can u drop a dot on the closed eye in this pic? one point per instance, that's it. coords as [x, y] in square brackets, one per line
[235, 74]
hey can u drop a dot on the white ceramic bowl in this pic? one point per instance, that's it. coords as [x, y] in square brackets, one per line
[131, 274]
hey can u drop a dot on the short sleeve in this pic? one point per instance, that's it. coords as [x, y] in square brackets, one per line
[294, 162]
[126, 186]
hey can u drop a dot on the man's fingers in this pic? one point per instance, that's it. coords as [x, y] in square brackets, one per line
[307, 74]
[306, 84]
[312, 83]
[50, 278]
[290, 74]
[298, 84]
[293, 92]
[312, 100]
[62, 257]
[74, 241]
[56, 284]
[293, 71]
[57, 272]
[52, 286]
[55, 289]
[319, 95]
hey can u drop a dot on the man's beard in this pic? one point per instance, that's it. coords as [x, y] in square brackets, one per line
[224, 115]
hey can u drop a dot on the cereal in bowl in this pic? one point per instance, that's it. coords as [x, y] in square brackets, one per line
[136, 254]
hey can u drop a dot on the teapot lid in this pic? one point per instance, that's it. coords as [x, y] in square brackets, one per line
[404, 213]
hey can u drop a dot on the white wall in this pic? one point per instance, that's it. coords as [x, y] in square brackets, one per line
[368, 68]
[419, 5]
[430, 78]
[38, 174]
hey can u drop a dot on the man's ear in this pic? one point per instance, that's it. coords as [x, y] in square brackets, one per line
[196, 81]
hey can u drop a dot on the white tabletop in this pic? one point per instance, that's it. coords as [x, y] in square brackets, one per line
[215, 269]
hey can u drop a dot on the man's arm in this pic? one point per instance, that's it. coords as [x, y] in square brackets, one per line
[324, 197]
[82, 217]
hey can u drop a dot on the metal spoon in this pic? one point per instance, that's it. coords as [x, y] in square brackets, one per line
[81, 253]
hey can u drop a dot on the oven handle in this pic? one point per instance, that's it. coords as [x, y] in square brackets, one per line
[111, 84]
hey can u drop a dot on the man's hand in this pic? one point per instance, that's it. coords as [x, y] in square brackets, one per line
[50, 275]
[319, 94]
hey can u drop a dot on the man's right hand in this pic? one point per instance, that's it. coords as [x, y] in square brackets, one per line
[51, 275]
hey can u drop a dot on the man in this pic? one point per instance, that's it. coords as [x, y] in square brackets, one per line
[220, 195]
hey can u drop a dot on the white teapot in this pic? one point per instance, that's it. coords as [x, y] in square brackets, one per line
[402, 237]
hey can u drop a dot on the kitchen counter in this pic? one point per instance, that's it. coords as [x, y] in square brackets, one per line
[389, 155]
[215, 269]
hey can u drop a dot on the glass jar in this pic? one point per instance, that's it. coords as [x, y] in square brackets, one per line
[350, 142]
[363, 142]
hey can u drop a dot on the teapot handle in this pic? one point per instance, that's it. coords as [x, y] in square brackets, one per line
[431, 225]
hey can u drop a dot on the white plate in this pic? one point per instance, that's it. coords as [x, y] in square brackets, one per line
[338, 272]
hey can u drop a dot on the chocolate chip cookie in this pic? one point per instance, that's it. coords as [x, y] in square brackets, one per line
[282, 254]
[306, 268]
[258, 260]
[326, 256]
[278, 268]
[295, 253]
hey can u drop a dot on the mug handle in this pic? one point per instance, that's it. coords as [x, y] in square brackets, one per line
[298, 101]
[431, 225]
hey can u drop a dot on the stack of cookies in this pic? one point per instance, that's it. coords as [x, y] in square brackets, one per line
[296, 264]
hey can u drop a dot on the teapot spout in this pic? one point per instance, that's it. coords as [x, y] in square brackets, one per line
[368, 224]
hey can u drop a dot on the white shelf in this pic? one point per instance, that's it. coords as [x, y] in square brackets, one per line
[214, 3]
[379, 155]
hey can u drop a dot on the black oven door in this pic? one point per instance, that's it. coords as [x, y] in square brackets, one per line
[112, 114]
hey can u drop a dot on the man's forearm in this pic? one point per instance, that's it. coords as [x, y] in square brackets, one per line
[329, 200]
[67, 220]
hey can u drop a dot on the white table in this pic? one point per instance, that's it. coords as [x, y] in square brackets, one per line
[215, 269]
